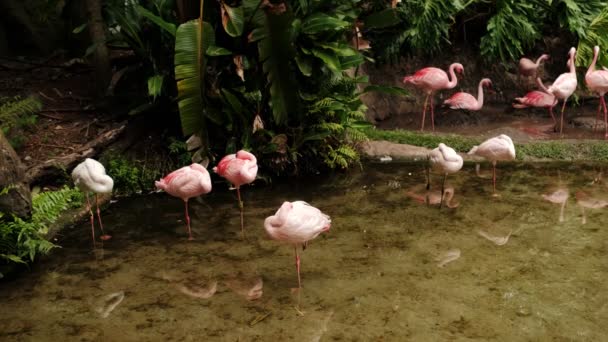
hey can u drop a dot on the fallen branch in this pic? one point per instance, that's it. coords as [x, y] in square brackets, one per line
[67, 162]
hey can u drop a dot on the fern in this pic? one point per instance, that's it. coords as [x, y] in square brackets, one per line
[595, 34]
[22, 240]
[17, 112]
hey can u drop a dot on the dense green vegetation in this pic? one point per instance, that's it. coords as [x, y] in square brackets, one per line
[22, 240]
[16, 115]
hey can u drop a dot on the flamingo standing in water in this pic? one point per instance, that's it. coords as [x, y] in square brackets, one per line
[466, 101]
[563, 86]
[597, 82]
[185, 183]
[240, 168]
[433, 79]
[495, 149]
[297, 223]
[90, 176]
[445, 160]
[538, 99]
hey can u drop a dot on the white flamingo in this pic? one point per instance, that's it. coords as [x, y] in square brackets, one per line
[444, 160]
[564, 86]
[493, 150]
[90, 176]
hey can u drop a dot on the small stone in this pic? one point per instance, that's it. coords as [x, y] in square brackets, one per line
[58, 127]
[27, 158]
[523, 312]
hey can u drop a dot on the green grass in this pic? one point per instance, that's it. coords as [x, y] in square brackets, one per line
[585, 150]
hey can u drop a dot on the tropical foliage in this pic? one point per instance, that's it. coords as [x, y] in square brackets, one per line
[504, 29]
[21, 241]
[17, 114]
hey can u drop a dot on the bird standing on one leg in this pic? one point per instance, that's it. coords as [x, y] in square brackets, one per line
[597, 82]
[495, 149]
[564, 86]
[296, 223]
[445, 160]
[185, 183]
[433, 79]
[90, 176]
[240, 168]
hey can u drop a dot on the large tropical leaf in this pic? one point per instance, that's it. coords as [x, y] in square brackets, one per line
[189, 62]
[169, 27]
[276, 52]
[320, 22]
[596, 34]
[233, 19]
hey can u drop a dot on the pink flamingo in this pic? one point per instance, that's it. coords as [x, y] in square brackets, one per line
[433, 79]
[564, 85]
[240, 168]
[185, 183]
[597, 82]
[462, 100]
[538, 99]
[495, 149]
[529, 68]
[297, 223]
[90, 176]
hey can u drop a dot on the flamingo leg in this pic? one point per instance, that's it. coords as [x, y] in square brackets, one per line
[553, 118]
[561, 125]
[295, 248]
[432, 114]
[241, 207]
[92, 219]
[442, 190]
[494, 178]
[605, 117]
[188, 221]
[424, 112]
[561, 212]
[597, 116]
[584, 221]
[103, 236]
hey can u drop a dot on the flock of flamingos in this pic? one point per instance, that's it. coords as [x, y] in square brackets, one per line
[431, 80]
[297, 222]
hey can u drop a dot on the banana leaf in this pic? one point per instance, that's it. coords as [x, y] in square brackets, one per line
[188, 66]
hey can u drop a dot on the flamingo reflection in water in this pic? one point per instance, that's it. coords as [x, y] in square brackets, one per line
[585, 200]
[433, 197]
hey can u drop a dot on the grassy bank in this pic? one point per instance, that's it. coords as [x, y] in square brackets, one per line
[584, 150]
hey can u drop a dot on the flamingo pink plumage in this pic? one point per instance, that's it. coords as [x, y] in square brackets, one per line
[495, 149]
[433, 79]
[462, 100]
[296, 223]
[240, 168]
[538, 99]
[185, 183]
[529, 68]
[564, 85]
[597, 82]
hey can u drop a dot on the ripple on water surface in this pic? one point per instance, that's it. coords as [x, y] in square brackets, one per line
[511, 269]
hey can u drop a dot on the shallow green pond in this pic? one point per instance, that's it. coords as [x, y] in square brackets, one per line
[375, 275]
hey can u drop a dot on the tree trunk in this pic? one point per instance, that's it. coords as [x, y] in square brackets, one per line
[18, 199]
[103, 71]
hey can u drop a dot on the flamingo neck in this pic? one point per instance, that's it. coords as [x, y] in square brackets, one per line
[480, 95]
[592, 66]
[453, 79]
[448, 198]
[572, 66]
[539, 59]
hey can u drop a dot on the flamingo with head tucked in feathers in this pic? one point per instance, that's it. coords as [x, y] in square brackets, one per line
[564, 85]
[433, 79]
[296, 223]
[185, 183]
[495, 149]
[466, 101]
[597, 82]
[538, 99]
[240, 168]
[445, 160]
[90, 176]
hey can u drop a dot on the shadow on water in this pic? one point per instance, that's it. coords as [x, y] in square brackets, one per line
[391, 267]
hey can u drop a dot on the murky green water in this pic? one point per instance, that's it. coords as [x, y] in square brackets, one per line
[374, 276]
